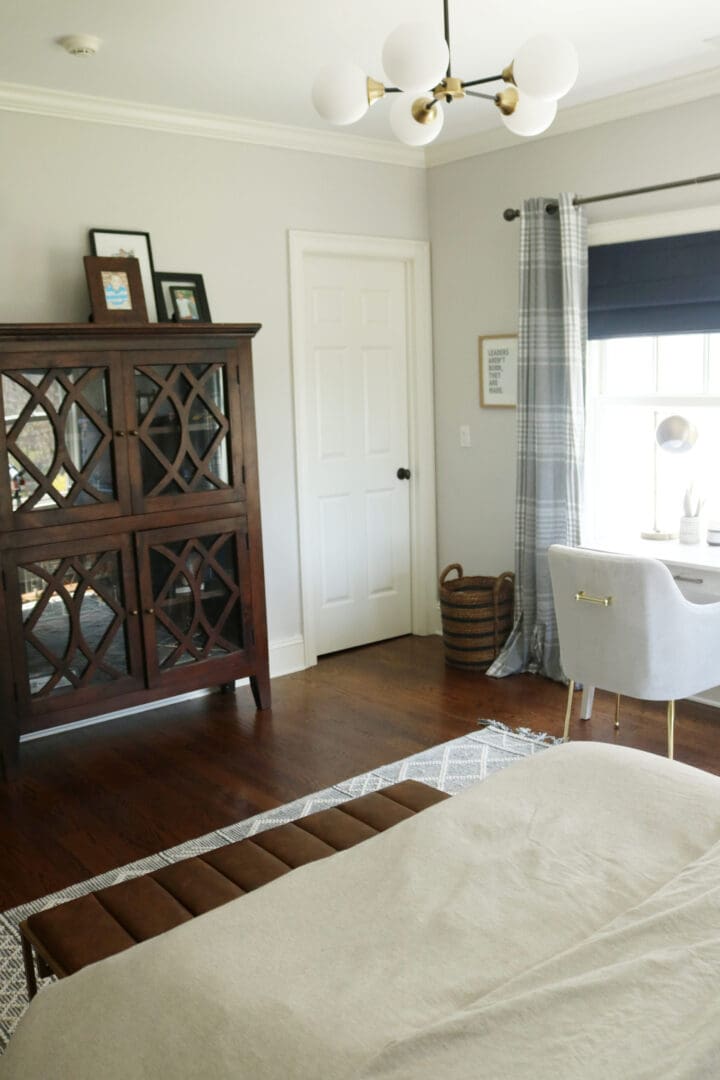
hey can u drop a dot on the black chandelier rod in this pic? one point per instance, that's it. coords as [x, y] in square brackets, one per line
[487, 79]
[446, 25]
[551, 208]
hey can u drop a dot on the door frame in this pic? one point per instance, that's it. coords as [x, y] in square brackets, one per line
[415, 254]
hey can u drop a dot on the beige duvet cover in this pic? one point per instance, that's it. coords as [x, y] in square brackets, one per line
[561, 919]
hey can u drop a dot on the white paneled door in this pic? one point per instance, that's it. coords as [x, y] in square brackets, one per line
[356, 424]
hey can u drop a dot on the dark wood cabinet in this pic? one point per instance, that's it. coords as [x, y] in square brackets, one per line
[131, 545]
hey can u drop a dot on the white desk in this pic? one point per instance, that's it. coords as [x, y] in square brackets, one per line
[695, 567]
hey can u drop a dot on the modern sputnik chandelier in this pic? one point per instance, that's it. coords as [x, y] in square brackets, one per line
[415, 57]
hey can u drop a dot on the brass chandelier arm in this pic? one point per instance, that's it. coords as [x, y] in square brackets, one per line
[507, 100]
[452, 89]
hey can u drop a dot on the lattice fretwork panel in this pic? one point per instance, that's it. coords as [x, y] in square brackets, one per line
[183, 428]
[74, 621]
[196, 599]
[58, 431]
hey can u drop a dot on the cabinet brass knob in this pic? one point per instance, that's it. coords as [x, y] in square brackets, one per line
[134, 612]
[120, 434]
[133, 432]
[150, 611]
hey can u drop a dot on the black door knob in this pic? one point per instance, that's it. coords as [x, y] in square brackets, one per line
[403, 474]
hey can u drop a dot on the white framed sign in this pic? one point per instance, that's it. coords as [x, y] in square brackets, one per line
[498, 370]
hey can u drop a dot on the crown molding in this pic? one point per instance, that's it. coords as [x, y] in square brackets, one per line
[618, 107]
[39, 101]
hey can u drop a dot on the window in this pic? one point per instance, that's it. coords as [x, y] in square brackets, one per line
[632, 385]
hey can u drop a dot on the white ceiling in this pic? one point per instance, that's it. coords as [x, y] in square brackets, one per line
[257, 60]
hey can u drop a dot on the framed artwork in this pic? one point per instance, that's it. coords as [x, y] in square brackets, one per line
[129, 244]
[498, 371]
[184, 302]
[116, 291]
[181, 298]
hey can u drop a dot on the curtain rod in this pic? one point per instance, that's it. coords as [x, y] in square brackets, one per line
[551, 208]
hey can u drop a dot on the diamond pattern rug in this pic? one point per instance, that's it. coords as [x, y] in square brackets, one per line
[450, 767]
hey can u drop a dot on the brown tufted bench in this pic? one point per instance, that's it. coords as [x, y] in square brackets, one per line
[82, 931]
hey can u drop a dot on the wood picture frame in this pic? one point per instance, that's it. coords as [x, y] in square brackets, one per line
[116, 291]
[133, 244]
[165, 283]
[498, 371]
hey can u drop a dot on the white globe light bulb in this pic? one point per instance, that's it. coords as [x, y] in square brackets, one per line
[531, 116]
[415, 57]
[546, 67]
[407, 128]
[340, 94]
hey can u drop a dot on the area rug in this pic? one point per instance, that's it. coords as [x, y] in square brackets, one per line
[450, 767]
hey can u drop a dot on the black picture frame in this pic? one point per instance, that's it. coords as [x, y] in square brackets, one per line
[165, 281]
[130, 243]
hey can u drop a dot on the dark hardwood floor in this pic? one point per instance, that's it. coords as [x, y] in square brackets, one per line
[93, 799]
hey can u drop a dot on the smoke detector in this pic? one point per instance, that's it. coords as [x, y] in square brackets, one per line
[80, 44]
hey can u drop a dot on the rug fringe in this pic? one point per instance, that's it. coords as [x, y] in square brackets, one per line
[522, 732]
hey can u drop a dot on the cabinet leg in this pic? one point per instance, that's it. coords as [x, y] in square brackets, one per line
[260, 686]
[10, 759]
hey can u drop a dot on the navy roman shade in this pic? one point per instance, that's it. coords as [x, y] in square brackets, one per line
[666, 286]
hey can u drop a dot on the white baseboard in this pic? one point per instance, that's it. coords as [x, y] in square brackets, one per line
[285, 657]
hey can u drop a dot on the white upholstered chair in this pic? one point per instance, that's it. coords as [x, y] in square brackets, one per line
[625, 626]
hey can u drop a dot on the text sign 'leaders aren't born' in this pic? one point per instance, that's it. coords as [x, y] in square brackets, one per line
[498, 370]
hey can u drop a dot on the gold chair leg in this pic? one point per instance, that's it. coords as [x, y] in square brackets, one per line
[671, 728]
[617, 712]
[568, 709]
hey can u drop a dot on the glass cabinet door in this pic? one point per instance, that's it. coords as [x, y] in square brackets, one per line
[184, 434]
[79, 631]
[60, 447]
[195, 597]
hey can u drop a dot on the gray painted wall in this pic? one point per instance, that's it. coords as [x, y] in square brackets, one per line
[221, 209]
[475, 288]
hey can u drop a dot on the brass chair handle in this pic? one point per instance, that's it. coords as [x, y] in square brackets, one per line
[606, 601]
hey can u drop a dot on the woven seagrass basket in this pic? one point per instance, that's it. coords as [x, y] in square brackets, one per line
[477, 616]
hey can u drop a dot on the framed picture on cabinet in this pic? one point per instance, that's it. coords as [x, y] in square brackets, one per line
[115, 287]
[498, 371]
[185, 304]
[129, 244]
[181, 297]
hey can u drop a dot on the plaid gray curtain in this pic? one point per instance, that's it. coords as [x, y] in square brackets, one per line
[551, 423]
